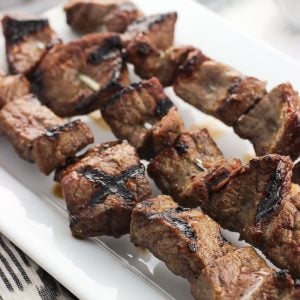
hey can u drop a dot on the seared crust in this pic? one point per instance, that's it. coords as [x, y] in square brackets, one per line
[192, 168]
[92, 69]
[53, 148]
[102, 187]
[143, 115]
[94, 15]
[13, 87]
[217, 89]
[27, 41]
[149, 62]
[156, 30]
[177, 236]
[273, 125]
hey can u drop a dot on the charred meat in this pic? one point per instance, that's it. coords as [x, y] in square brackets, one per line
[186, 240]
[150, 62]
[75, 78]
[257, 203]
[192, 168]
[102, 187]
[38, 135]
[273, 125]
[156, 30]
[95, 15]
[191, 245]
[13, 87]
[217, 89]
[143, 115]
[27, 41]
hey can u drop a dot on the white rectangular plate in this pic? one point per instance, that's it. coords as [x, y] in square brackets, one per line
[106, 268]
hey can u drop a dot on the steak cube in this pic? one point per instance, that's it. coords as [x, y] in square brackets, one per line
[186, 240]
[192, 168]
[94, 15]
[145, 116]
[74, 78]
[217, 89]
[27, 41]
[273, 125]
[101, 189]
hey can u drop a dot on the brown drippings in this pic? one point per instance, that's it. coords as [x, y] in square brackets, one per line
[57, 192]
[214, 131]
[97, 118]
[295, 189]
[142, 250]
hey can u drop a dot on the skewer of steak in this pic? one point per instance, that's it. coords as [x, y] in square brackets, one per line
[191, 245]
[27, 41]
[143, 115]
[192, 168]
[94, 15]
[254, 201]
[76, 77]
[38, 135]
[12, 87]
[156, 30]
[101, 188]
[273, 125]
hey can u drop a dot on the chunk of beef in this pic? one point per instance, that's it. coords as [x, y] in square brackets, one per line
[38, 135]
[144, 115]
[217, 89]
[192, 168]
[94, 15]
[243, 274]
[149, 62]
[156, 30]
[74, 78]
[53, 148]
[27, 41]
[257, 203]
[273, 125]
[102, 187]
[186, 240]
[12, 87]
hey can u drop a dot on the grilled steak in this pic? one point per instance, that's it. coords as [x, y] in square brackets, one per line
[27, 41]
[74, 78]
[186, 240]
[192, 168]
[149, 61]
[12, 87]
[273, 125]
[156, 30]
[144, 115]
[217, 89]
[257, 203]
[94, 15]
[102, 187]
[191, 245]
[38, 135]
[243, 274]
[53, 148]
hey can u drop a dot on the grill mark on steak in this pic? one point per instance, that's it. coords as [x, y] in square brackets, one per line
[163, 107]
[55, 131]
[186, 229]
[17, 29]
[181, 148]
[111, 184]
[104, 51]
[273, 196]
